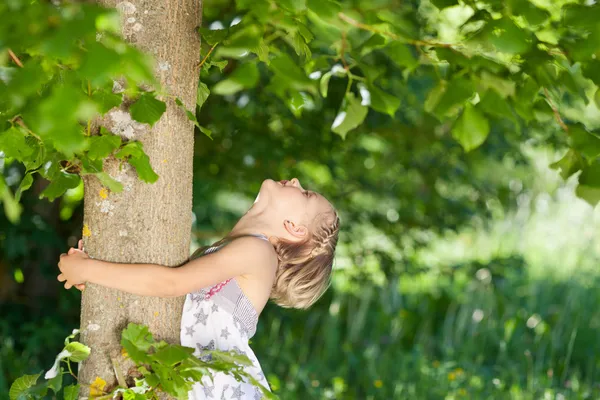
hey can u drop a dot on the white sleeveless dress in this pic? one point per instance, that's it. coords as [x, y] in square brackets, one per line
[221, 317]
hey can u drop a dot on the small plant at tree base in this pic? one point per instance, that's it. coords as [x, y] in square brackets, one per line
[162, 367]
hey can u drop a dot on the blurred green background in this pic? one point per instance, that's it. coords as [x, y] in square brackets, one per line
[458, 275]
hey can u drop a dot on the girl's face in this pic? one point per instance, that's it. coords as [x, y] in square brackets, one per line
[288, 200]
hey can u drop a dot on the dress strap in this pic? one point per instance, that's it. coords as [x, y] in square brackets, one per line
[221, 243]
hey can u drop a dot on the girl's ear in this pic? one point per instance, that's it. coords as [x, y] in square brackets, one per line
[297, 231]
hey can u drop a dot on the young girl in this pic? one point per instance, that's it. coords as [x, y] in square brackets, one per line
[282, 249]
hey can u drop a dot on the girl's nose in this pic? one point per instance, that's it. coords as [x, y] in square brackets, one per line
[295, 182]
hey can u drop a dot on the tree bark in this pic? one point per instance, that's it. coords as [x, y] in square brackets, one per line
[146, 223]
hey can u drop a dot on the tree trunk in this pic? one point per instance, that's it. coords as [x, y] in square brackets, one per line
[146, 223]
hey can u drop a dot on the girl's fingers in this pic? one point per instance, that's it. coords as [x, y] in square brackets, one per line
[61, 278]
[80, 286]
[68, 285]
[80, 244]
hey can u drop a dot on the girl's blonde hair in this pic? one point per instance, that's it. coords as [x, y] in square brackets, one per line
[304, 270]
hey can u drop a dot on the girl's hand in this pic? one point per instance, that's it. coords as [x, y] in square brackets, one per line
[72, 267]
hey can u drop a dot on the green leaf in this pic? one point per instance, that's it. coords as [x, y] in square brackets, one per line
[434, 96]
[227, 87]
[206, 131]
[202, 95]
[56, 383]
[25, 184]
[324, 83]
[103, 145]
[492, 103]
[568, 164]
[534, 15]
[106, 100]
[12, 208]
[350, 116]
[374, 42]
[383, 102]
[61, 182]
[79, 351]
[240, 43]
[139, 160]
[444, 3]
[293, 75]
[324, 9]
[471, 129]
[507, 37]
[597, 98]
[21, 385]
[57, 118]
[293, 5]
[138, 335]
[212, 36]
[13, 144]
[401, 55]
[591, 70]
[147, 109]
[219, 64]
[581, 16]
[585, 142]
[99, 64]
[172, 354]
[456, 93]
[71, 392]
[244, 77]
[589, 184]
[299, 44]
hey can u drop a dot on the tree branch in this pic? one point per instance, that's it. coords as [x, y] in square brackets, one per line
[556, 113]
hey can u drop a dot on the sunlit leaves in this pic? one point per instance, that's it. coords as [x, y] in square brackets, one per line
[350, 116]
[471, 129]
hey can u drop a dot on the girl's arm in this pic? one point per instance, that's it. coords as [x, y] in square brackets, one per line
[245, 255]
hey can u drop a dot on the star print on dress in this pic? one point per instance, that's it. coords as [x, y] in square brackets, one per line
[225, 333]
[238, 350]
[214, 308]
[223, 392]
[189, 330]
[201, 317]
[211, 346]
[208, 390]
[257, 394]
[237, 392]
